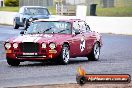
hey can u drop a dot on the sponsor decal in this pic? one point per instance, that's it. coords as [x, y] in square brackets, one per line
[31, 39]
[27, 38]
[82, 44]
[82, 77]
[30, 54]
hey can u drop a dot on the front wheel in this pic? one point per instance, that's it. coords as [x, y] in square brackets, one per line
[65, 55]
[94, 55]
[13, 62]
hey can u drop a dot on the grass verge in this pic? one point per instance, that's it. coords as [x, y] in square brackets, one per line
[117, 11]
[10, 9]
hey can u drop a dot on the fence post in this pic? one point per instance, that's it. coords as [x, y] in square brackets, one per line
[62, 9]
[56, 9]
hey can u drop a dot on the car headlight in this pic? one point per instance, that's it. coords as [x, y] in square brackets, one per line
[7, 45]
[15, 45]
[30, 19]
[43, 45]
[52, 45]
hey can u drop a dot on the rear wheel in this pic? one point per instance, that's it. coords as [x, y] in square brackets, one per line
[15, 25]
[13, 62]
[94, 55]
[65, 55]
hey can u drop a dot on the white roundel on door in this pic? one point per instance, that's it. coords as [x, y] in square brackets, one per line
[82, 44]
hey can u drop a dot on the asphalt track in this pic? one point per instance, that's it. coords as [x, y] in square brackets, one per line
[116, 57]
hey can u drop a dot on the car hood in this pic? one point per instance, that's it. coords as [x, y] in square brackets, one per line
[39, 38]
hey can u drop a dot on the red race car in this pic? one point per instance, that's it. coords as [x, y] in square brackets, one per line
[58, 40]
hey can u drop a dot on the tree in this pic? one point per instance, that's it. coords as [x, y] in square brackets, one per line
[11, 2]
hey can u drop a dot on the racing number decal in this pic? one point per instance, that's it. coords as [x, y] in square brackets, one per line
[82, 44]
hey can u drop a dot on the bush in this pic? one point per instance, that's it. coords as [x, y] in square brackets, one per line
[11, 2]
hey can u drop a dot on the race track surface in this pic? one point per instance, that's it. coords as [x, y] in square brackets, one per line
[116, 57]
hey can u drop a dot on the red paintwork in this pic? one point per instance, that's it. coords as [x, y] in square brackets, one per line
[59, 39]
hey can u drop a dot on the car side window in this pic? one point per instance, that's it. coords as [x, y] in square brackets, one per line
[82, 27]
[76, 27]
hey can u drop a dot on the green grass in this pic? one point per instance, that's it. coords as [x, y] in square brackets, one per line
[10, 9]
[117, 11]
[52, 10]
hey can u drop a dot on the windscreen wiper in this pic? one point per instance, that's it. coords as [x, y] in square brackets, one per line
[47, 30]
[63, 30]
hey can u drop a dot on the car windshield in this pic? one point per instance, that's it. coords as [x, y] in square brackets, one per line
[36, 11]
[50, 27]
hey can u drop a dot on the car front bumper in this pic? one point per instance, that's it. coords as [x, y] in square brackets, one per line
[52, 54]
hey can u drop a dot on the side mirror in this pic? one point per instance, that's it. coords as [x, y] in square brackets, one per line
[22, 32]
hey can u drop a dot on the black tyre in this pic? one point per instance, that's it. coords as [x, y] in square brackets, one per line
[15, 25]
[13, 62]
[81, 80]
[94, 55]
[65, 55]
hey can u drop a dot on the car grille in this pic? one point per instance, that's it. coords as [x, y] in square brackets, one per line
[29, 47]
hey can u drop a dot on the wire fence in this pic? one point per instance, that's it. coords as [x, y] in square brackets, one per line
[100, 3]
[35, 3]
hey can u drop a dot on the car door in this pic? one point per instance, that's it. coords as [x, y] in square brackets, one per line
[86, 38]
[75, 41]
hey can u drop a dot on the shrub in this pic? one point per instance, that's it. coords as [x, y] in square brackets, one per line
[11, 2]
